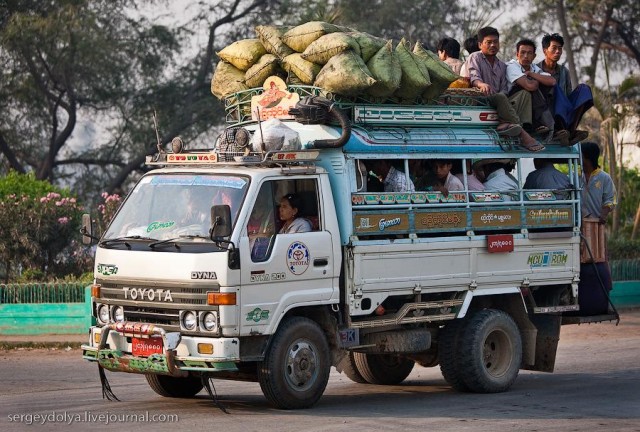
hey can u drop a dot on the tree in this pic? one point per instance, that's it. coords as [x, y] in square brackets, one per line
[59, 59]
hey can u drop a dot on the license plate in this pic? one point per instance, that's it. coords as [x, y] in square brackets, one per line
[144, 347]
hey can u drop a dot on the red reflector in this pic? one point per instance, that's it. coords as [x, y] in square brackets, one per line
[500, 243]
[489, 116]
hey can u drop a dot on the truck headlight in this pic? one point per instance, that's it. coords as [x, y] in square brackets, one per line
[189, 320]
[209, 321]
[103, 313]
[118, 313]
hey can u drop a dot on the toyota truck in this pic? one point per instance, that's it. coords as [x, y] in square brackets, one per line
[194, 281]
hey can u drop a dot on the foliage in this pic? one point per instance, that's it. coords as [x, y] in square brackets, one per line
[107, 210]
[39, 223]
[623, 248]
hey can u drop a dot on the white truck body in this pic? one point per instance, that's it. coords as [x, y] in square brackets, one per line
[382, 281]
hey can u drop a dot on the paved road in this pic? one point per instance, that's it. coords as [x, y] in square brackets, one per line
[596, 386]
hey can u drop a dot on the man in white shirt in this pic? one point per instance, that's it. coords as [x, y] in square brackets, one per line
[496, 176]
[527, 86]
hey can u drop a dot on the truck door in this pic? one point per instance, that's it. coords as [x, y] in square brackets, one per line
[281, 269]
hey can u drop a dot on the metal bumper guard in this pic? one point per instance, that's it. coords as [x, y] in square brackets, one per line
[116, 360]
[163, 364]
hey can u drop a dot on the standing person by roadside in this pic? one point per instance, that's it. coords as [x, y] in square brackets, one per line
[598, 200]
[567, 104]
[489, 74]
[599, 194]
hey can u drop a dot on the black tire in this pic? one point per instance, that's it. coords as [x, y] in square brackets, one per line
[448, 356]
[295, 370]
[490, 352]
[383, 369]
[349, 368]
[168, 386]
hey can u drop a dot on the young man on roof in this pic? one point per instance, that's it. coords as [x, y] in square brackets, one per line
[528, 87]
[567, 104]
[489, 74]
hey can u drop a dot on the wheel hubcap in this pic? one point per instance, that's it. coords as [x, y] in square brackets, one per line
[497, 353]
[301, 368]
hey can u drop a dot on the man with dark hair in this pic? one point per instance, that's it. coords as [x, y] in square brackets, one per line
[546, 176]
[599, 194]
[528, 85]
[449, 52]
[489, 74]
[567, 104]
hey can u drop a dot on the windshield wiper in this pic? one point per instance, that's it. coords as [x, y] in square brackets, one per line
[173, 241]
[123, 240]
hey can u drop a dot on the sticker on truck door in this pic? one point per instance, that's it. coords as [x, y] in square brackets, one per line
[297, 258]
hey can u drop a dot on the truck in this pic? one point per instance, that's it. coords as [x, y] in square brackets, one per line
[194, 281]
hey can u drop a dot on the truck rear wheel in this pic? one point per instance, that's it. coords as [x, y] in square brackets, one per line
[383, 369]
[349, 368]
[448, 343]
[295, 370]
[168, 386]
[490, 352]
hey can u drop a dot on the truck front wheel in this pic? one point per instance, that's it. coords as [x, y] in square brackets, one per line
[490, 352]
[295, 370]
[384, 369]
[168, 386]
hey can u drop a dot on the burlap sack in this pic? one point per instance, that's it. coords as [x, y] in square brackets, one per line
[386, 70]
[300, 37]
[369, 44]
[415, 75]
[243, 53]
[227, 79]
[325, 47]
[271, 38]
[438, 70]
[303, 69]
[345, 74]
[266, 66]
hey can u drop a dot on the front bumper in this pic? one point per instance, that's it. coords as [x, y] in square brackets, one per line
[111, 347]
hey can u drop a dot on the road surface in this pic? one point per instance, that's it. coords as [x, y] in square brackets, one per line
[596, 386]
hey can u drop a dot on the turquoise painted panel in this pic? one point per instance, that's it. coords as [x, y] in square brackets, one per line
[45, 318]
[626, 293]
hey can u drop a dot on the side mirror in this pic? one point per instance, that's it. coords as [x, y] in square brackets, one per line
[87, 229]
[220, 221]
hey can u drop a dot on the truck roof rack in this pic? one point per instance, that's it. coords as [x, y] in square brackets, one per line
[209, 158]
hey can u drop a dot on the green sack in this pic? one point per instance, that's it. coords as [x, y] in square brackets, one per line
[227, 79]
[438, 70]
[369, 45]
[300, 37]
[345, 74]
[386, 70]
[271, 38]
[415, 75]
[325, 47]
[243, 53]
[265, 67]
[303, 69]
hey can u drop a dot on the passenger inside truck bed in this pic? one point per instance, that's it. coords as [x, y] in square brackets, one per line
[497, 177]
[392, 176]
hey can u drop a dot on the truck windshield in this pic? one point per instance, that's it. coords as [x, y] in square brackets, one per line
[168, 206]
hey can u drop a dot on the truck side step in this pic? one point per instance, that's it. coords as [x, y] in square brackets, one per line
[444, 308]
